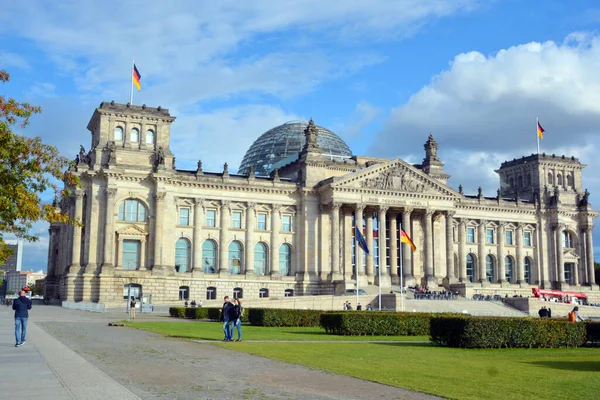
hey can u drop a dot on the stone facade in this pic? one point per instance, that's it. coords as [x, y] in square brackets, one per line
[170, 233]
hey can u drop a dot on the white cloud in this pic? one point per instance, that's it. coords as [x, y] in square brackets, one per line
[9, 60]
[364, 113]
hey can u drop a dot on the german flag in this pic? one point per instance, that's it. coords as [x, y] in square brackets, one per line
[136, 77]
[406, 239]
[540, 130]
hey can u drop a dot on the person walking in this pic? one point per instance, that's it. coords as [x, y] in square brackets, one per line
[132, 308]
[238, 311]
[227, 319]
[21, 305]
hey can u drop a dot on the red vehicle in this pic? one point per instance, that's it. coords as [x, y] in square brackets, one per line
[562, 297]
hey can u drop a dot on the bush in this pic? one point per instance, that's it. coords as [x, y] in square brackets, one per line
[499, 332]
[376, 323]
[593, 332]
[211, 313]
[283, 317]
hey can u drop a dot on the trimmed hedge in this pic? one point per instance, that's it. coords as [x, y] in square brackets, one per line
[385, 323]
[283, 317]
[501, 332]
[211, 313]
[593, 332]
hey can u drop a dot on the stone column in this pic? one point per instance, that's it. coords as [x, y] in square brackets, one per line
[408, 277]
[394, 248]
[519, 255]
[450, 278]
[347, 244]
[335, 238]
[159, 212]
[76, 249]
[198, 222]
[223, 264]
[109, 231]
[560, 264]
[250, 225]
[369, 238]
[275, 218]
[429, 280]
[358, 220]
[381, 223]
[462, 250]
[481, 250]
[589, 256]
[501, 264]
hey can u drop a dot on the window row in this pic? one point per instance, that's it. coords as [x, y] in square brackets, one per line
[210, 219]
[491, 269]
[238, 293]
[490, 236]
[559, 179]
[134, 135]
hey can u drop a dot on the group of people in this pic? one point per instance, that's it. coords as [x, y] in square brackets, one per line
[231, 316]
[545, 312]
[193, 303]
[348, 306]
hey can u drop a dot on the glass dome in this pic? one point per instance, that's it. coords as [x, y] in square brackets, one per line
[282, 145]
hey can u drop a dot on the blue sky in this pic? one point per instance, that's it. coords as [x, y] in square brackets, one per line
[381, 74]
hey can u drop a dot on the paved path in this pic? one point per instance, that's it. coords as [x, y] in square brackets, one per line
[74, 354]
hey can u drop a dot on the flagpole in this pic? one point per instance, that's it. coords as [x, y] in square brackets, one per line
[356, 262]
[537, 134]
[379, 275]
[401, 273]
[131, 91]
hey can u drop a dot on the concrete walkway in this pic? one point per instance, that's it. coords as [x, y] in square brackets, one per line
[46, 368]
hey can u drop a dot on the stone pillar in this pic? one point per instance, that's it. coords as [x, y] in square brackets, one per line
[394, 248]
[91, 228]
[408, 277]
[335, 238]
[589, 256]
[560, 264]
[369, 238]
[198, 222]
[450, 278]
[347, 244]
[429, 279]
[520, 258]
[76, 249]
[109, 231]
[250, 225]
[481, 252]
[501, 255]
[462, 250]
[275, 218]
[358, 221]
[223, 264]
[381, 223]
[159, 212]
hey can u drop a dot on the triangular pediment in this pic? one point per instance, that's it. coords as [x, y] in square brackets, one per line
[570, 256]
[132, 231]
[394, 176]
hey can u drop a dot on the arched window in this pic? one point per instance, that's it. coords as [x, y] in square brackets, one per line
[182, 255]
[184, 292]
[489, 268]
[288, 293]
[263, 293]
[528, 179]
[527, 269]
[260, 258]
[132, 210]
[470, 267]
[567, 240]
[559, 180]
[211, 293]
[209, 253]
[118, 136]
[132, 290]
[511, 183]
[235, 258]
[570, 180]
[134, 136]
[238, 293]
[508, 265]
[520, 181]
[550, 179]
[285, 259]
[149, 136]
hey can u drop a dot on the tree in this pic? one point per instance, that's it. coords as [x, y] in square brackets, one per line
[28, 167]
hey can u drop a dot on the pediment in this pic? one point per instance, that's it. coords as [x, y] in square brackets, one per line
[570, 255]
[394, 176]
[132, 231]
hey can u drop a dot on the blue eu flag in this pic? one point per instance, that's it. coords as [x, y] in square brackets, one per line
[360, 240]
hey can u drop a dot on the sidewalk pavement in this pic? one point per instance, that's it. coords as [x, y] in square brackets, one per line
[45, 368]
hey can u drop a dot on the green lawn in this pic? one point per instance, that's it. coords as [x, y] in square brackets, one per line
[213, 331]
[454, 373]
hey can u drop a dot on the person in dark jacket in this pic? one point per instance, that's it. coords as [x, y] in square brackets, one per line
[237, 322]
[227, 317]
[21, 305]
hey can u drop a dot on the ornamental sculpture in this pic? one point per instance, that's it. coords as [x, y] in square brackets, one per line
[394, 179]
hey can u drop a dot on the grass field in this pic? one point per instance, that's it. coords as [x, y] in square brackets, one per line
[454, 373]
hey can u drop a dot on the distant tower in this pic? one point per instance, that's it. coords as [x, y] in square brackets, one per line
[432, 165]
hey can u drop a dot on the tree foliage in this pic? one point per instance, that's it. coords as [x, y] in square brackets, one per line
[28, 167]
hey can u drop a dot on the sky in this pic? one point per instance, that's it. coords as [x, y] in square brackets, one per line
[381, 74]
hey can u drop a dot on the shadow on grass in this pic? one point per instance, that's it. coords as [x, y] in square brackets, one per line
[590, 366]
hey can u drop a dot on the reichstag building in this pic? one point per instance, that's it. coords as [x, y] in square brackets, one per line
[284, 224]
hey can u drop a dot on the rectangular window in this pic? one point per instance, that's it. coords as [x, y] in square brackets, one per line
[509, 237]
[286, 223]
[184, 216]
[527, 238]
[262, 222]
[131, 254]
[471, 235]
[489, 235]
[236, 219]
[211, 218]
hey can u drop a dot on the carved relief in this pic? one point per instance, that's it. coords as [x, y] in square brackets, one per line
[396, 178]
